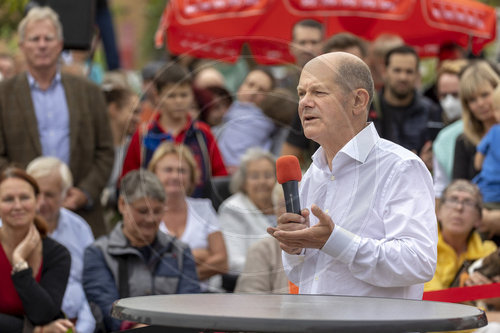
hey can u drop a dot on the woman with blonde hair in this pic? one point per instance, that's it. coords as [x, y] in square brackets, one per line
[477, 82]
[192, 220]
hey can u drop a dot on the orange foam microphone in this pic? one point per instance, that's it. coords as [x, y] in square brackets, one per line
[289, 175]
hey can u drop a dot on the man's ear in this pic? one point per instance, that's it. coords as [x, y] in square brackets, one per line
[121, 205]
[361, 100]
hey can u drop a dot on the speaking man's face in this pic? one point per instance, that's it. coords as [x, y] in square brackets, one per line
[321, 102]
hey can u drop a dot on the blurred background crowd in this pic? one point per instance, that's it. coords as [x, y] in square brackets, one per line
[129, 170]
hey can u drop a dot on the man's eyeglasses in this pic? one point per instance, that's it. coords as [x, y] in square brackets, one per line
[456, 203]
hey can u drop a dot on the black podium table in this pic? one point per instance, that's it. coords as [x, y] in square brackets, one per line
[296, 313]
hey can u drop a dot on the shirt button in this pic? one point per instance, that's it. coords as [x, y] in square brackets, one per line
[332, 177]
[316, 278]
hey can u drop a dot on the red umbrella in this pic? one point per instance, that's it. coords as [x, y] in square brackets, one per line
[217, 29]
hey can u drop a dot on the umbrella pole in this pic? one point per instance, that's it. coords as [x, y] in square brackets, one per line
[469, 46]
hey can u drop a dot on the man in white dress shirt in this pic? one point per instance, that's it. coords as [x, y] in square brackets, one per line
[373, 230]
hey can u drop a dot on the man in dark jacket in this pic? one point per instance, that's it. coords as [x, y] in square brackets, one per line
[404, 115]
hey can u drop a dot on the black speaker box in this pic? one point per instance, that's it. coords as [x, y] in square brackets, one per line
[77, 18]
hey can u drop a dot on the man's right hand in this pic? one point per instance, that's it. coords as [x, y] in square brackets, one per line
[294, 237]
[291, 222]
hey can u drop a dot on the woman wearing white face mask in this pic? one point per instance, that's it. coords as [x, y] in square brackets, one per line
[452, 108]
[443, 148]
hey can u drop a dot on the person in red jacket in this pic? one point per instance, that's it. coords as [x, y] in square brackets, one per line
[173, 122]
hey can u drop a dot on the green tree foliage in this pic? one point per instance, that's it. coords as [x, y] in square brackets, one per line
[492, 3]
[11, 12]
[154, 10]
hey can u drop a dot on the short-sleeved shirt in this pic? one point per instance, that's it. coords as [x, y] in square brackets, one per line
[201, 222]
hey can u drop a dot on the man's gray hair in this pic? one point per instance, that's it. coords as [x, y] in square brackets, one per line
[38, 14]
[252, 154]
[354, 74]
[45, 166]
[138, 184]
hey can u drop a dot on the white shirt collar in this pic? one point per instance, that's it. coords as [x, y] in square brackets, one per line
[357, 148]
[360, 146]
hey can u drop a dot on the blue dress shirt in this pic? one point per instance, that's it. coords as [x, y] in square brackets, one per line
[75, 234]
[52, 114]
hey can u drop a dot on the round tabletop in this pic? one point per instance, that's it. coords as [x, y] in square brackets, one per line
[297, 313]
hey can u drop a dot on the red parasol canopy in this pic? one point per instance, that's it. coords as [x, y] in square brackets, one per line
[217, 29]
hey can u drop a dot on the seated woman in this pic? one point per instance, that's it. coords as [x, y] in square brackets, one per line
[34, 269]
[191, 220]
[245, 215]
[135, 259]
[263, 272]
[459, 211]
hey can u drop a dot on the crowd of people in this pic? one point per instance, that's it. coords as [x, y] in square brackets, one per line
[106, 194]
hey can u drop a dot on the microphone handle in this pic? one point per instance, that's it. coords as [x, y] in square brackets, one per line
[291, 190]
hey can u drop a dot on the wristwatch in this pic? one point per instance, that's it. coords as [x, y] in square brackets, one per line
[20, 266]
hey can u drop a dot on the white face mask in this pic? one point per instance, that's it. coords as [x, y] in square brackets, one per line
[452, 107]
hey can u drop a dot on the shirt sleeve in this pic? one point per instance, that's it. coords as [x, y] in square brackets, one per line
[485, 143]
[86, 321]
[292, 264]
[99, 285]
[10, 323]
[408, 253]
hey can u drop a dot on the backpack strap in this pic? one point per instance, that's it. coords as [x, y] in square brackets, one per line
[123, 287]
